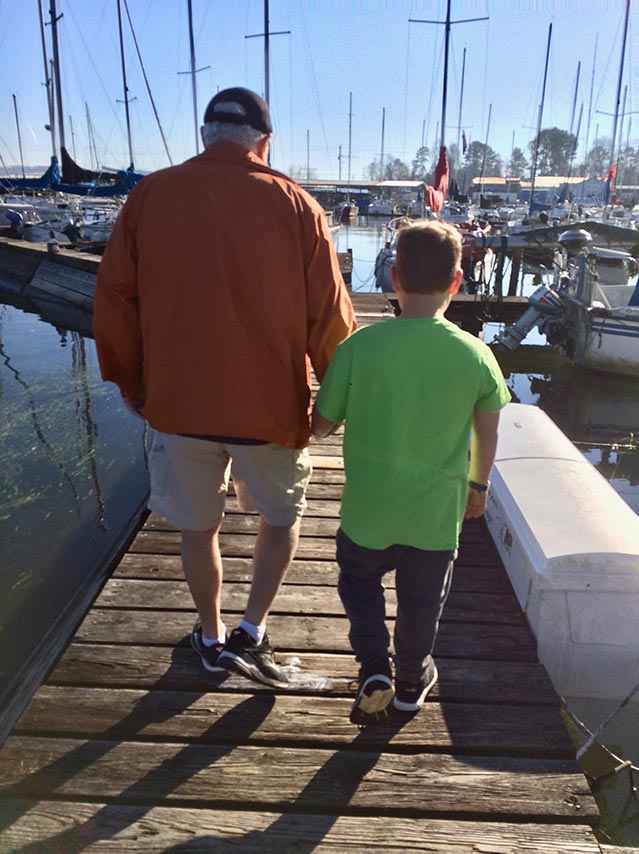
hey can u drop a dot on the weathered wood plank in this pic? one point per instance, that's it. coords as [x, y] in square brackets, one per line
[345, 781]
[322, 461]
[466, 579]
[298, 599]
[312, 526]
[179, 669]
[291, 721]
[59, 826]
[313, 548]
[168, 628]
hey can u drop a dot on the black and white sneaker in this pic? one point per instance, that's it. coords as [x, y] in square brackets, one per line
[242, 655]
[410, 696]
[208, 654]
[375, 693]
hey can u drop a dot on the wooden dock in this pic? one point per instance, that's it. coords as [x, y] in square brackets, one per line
[131, 745]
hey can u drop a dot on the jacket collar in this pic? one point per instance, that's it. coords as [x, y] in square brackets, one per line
[231, 151]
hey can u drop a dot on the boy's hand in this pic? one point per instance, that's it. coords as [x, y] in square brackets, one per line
[476, 504]
[320, 426]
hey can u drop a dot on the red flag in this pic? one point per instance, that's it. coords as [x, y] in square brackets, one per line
[464, 143]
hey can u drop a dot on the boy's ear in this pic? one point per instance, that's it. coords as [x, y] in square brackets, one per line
[454, 287]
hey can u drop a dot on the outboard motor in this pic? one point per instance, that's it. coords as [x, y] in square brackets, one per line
[544, 304]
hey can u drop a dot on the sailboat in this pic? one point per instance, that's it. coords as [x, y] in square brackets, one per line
[74, 178]
[433, 198]
[347, 210]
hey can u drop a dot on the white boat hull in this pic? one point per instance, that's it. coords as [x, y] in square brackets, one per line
[570, 545]
[611, 342]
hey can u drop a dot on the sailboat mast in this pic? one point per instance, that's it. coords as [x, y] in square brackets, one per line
[381, 156]
[574, 100]
[350, 127]
[461, 99]
[483, 162]
[124, 86]
[15, 109]
[541, 112]
[56, 70]
[193, 85]
[619, 81]
[445, 86]
[267, 77]
[93, 155]
[447, 23]
[47, 80]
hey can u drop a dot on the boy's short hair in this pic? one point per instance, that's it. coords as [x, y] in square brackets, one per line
[428, 257]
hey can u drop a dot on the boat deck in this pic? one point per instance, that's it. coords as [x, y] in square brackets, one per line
[131, 745]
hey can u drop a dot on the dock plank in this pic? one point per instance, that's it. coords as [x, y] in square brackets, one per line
[105, 827]
[313, 548]
[300, 599]
[294, 633]
[343, 781]
[217, 718]
[466, 578]
[177, 669]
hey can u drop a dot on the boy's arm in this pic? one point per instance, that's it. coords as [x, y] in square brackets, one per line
[321, 426]
[483, 445]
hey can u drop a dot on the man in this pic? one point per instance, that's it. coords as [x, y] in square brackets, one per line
[218, 289]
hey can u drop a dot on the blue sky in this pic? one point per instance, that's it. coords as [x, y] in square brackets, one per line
[330, 49]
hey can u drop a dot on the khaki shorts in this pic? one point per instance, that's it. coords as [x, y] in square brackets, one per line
[189, 479]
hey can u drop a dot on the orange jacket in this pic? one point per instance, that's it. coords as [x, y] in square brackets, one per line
[218, 283]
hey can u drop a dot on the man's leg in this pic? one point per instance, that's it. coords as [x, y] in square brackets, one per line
[271, 480]
[274, 550]
[202, 565]
[188, 487]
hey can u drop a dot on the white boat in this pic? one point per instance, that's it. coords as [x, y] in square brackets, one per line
[570, 545]
[345, 212]
[381, 207]
[591, 314]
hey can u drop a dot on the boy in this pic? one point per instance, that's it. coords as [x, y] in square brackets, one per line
[409, 391]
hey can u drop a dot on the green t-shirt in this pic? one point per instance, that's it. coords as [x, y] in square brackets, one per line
[406, 389]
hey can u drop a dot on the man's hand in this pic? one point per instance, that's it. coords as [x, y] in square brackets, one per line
[476, 504]
[135, 406]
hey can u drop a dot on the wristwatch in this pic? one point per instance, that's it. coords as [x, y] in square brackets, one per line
[479, 487]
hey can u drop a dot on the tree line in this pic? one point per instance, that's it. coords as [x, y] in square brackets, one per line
[555, 150]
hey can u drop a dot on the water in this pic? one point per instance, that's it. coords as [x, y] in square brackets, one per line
[600, 414]
[72, 481]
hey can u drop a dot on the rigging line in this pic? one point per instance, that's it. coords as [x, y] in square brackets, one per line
[314, 81]
[146, 81]
[78, 76]
[203, 20]
[290, 94]
[406, 77]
